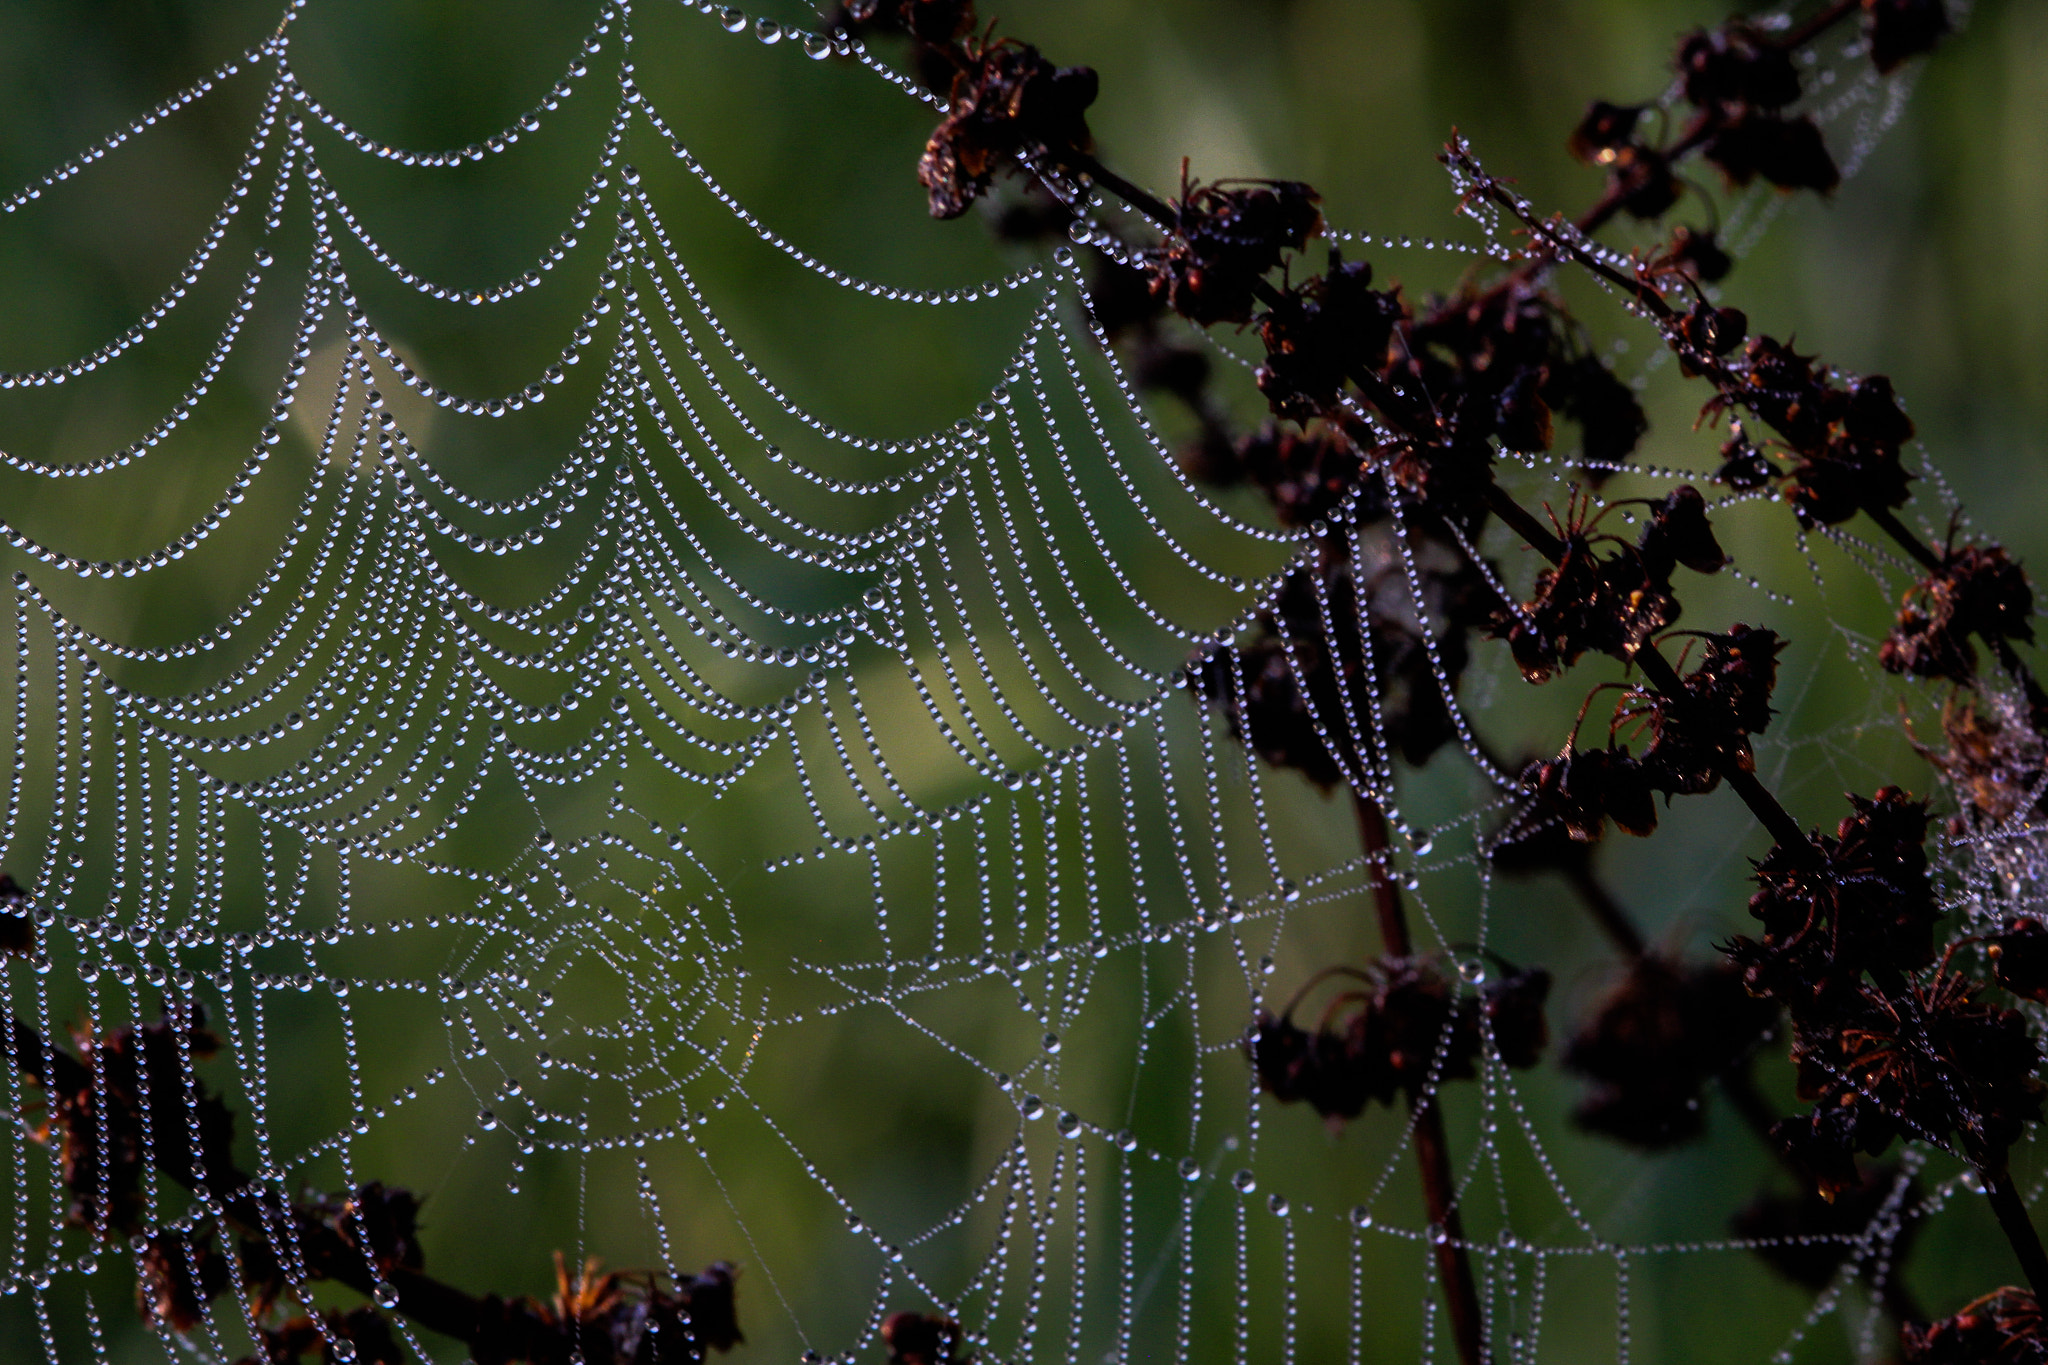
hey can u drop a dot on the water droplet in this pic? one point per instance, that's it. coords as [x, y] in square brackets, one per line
[768, 31]
[732, 19]
[1034, 1107]
[1361, 1216]
[1289, 892]
[1051, 1042]
[1190, 1169]
[1266, 965]
[1278, 1204]
[1473, 969]
[386, 1294]
[1069, 1125]
[1244, 1182]
[1422, 841]
[1127, 1141]
[817, 46]
[854, 1223]
[487, 1120]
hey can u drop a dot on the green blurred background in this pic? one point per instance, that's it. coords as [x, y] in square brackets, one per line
[1931, 265]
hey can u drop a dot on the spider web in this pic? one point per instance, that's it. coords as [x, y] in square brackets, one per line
[751, 838]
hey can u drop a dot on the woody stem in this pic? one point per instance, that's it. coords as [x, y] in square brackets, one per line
[1432, 1150]
[2011, 1212]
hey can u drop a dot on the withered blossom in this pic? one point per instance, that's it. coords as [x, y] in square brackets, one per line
[1401, 1026]
[2004, 1327]
[1974, 590]
[1651, 1047]
[924, 1339]
[1865, 905]
[1007, 101]
[1225, 239]
[1934, 1063]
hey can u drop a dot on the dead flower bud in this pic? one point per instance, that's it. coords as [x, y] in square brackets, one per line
[1584, 788]
[1604, 131]
[1707, 330]
[1743, 466]
[1679, 533]
[1788, 152]
[1899, 30]
[1697, 252]
[2019, 957]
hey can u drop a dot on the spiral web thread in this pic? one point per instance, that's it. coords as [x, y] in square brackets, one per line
[1013, 601]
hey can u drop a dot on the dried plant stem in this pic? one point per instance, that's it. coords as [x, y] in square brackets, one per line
[1432, 1150]
[1659, 673]
[2011, 1212]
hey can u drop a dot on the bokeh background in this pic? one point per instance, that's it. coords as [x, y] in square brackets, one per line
[1930, 264]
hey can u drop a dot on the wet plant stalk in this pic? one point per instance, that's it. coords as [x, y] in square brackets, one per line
[1432, 1150]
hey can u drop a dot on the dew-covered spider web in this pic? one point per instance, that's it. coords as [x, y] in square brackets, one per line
[662, 812]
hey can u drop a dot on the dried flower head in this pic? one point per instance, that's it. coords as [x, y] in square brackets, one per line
[1736, 67]
[1321, 332]
[1934, 1063]
[923, 1339]
[178, 1274]
[1400, 1028]
[2004, 1327]
[1007, 101]
[1788, 152]
[1899, 30]
[1866, 904]
[2018, 950]
[1581, 789]
[936, 22]
[1225, 239]
[1974, 590]
[1700, 736]
[1656, 1041]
